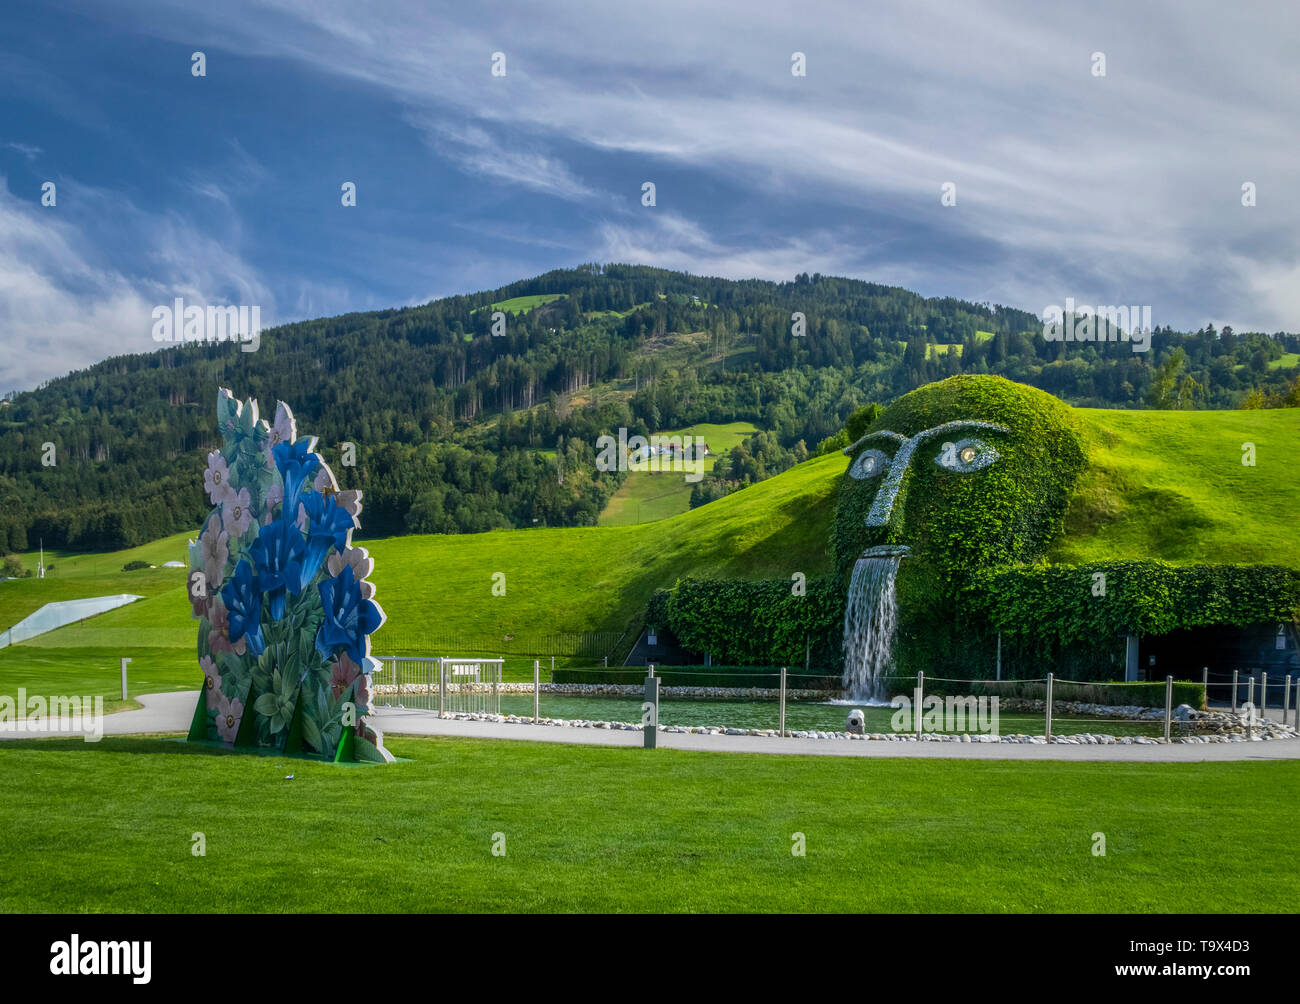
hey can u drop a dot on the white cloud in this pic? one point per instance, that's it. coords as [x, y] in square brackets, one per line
[1074, 179]
[62, 307]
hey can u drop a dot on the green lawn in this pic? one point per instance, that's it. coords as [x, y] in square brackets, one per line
[1171, 484]
[1288, 360]
[519, 304]
[647, 496]
[1162, 484]
[624, 830]
[572, 580]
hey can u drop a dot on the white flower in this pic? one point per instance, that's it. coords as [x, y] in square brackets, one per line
[361, 563]
[274, 496]
[236, 514]
[216, 552]
[216, 479]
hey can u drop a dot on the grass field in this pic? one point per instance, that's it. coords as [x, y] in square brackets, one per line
[626, 830]
[1171, 484]
[1163, 484]
[519, 304]
[647, 496]
[558, 580]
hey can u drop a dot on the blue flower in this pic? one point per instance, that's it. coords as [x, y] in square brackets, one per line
[348, 617]
[296, 463]
[330, 524]
[278, 553]
[243, 599]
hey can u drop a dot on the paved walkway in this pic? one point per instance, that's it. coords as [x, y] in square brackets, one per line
[160, 713]
[172, 713]
[424, 723]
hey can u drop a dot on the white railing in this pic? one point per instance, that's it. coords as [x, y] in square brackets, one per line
[438, 683]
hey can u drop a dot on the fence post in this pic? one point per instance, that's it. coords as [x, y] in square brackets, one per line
[1295, 721]
[537, 686]
[125, 660]
[552, 669]
[1048, 729]
[1250, 691]
[1263, 691]
[397, 672]
[1169, 705]
[442, 688]
[781, 730]
[650, 711]
[496, 688]
[920, 697]
[1286, 696]
[1205, 683]
[1234, 691]
[999, 676]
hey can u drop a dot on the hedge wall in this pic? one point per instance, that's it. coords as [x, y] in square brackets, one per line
[1049, 617]
[758, 623]
[1049, 609]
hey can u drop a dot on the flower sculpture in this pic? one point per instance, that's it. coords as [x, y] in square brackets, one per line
[284, 609]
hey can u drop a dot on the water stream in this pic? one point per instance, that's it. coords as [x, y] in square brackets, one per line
[869, 624]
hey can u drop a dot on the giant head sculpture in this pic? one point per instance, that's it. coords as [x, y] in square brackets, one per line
[966, 474]
[970, 472]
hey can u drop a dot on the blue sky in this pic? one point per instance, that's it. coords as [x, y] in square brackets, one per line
[225, 189]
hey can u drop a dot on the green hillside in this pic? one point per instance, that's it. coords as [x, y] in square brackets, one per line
[649, 495]
[1171, 485]
[1162, 484]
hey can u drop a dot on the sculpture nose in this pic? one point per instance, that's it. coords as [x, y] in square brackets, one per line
[886, 501]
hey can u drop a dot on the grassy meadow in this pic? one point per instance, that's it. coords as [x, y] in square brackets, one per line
[1165, 484]
[590, 829]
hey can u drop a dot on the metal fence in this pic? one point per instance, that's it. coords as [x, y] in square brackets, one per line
[439, 683]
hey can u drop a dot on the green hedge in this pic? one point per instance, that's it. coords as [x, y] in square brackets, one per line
[1143, 597]
[701, 676]
[758, 623]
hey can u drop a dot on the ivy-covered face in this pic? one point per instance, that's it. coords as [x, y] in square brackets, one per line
[973, 471]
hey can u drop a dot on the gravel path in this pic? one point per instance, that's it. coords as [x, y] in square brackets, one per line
[172, 713]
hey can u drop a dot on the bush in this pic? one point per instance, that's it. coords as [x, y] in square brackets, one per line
[758, 623]
[13, 568]
[134, 566]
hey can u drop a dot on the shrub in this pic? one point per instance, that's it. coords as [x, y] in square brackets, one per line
[134, 566]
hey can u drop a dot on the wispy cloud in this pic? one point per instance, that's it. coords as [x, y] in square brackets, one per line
[63, 305]
[26, 149]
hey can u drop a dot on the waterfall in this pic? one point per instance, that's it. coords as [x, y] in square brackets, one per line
[869, 624]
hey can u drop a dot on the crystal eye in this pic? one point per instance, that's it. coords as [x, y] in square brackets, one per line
[868, 464]
[966, 456]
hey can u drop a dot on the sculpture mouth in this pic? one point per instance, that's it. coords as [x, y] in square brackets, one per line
[887, 551]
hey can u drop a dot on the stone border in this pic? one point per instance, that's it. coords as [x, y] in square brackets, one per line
[1235, 732]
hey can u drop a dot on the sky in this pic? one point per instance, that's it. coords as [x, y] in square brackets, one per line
[1118, 188]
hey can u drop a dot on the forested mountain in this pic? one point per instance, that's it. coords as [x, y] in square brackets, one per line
[458, 429]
